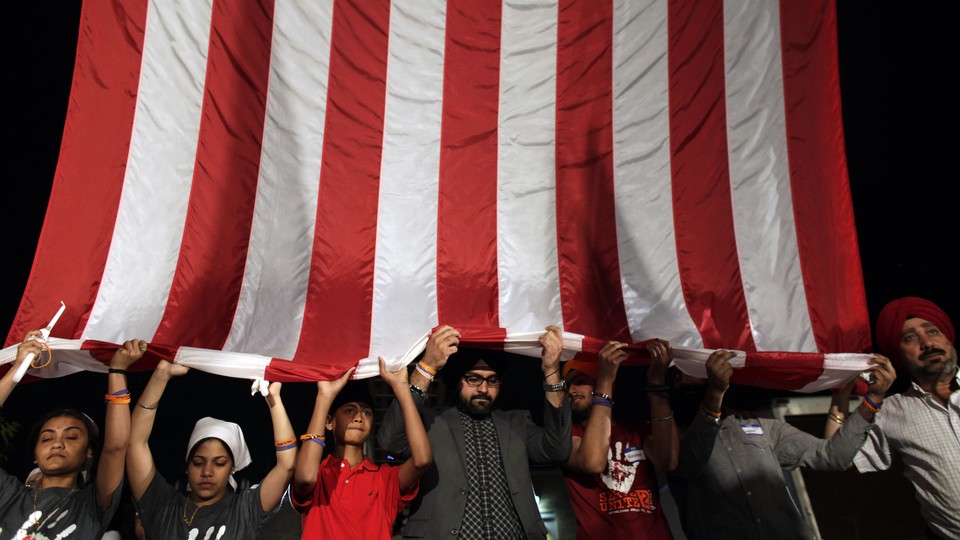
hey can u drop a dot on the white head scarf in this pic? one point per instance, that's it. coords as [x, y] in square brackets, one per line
[227, 432]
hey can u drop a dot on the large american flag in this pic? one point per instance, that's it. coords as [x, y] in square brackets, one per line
[283, 188]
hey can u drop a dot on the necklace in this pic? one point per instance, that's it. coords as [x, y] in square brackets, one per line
[196, 509]
[37, 523]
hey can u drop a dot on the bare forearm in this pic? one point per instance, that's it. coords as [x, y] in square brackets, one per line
[140, 467]
[116, 438]
[283, 431]
[591, 456]
[308, 460]
[6, 385]
[664, 447]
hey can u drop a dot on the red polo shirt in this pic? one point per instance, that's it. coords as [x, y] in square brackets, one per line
[358, 503]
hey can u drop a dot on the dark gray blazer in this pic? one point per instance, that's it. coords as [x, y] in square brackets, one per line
[438, 510]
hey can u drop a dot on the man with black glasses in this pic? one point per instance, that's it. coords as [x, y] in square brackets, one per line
[479, 486]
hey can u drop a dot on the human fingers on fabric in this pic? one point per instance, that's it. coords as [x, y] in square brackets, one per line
[883, 376]
[396, 379]
[332, 388]
[609, 358]
[273, 393]
[30, 345]
[172, 370]
[661, 354]
[442, 343]
[131, 351]
[719, 369]
[552, 346]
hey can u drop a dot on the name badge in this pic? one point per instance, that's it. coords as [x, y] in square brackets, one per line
[634, 455]
[752, 429]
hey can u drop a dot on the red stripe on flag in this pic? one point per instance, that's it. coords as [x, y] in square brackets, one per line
[336, 321]
[96, 139]
[206, 285]
[467, 283]
[702, 211]
[589, 264]
[822, 206]
[779, 370]
[637, 353]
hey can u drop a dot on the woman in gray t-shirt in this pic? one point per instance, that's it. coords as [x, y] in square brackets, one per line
[64, 497]
[211, 509]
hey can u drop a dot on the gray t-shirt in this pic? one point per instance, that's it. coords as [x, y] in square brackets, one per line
[55, 513]
[235, 517]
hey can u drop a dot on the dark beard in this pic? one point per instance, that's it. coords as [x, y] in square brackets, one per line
[474, 407]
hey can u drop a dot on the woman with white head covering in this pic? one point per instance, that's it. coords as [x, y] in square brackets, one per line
[75, 489]
[216, 450]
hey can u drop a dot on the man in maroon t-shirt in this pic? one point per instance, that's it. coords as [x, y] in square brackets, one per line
[609, 476]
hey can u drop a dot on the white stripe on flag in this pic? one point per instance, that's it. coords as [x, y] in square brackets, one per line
[240, 365]
[270, 309]
[760, 178]
[405, 274]
[146, 239]
[529, 280]
[649, 272]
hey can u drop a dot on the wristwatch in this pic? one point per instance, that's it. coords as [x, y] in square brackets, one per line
[559, 387]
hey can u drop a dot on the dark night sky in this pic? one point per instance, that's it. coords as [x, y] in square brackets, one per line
[900, 110]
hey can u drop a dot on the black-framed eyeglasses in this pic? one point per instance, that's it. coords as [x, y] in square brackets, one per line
[474, 381]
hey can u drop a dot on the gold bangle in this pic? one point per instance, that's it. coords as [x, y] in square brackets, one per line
[142, 406]
[836, 419]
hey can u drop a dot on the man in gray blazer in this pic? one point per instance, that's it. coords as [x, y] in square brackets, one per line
[479, 486]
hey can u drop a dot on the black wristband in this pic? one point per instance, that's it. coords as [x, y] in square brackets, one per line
[417, 390]
[120, 371]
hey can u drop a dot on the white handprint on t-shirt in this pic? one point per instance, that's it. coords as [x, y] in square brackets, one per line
[619, 473]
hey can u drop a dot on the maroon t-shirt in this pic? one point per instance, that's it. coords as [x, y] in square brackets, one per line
[623, 501]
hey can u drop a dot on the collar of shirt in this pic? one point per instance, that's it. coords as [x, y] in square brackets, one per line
[365, 465]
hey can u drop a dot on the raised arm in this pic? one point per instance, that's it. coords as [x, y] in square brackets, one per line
[589, 453]
[662, 448]
[698, 441]
[552, 345]
[140, 467]
[308, 460]
[392, 435]
[117, 424]
[421, 456]
[881, 375]
[29, 345]
[275, 483]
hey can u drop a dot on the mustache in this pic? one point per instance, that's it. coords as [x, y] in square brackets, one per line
[929, 352]
[479, 396]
